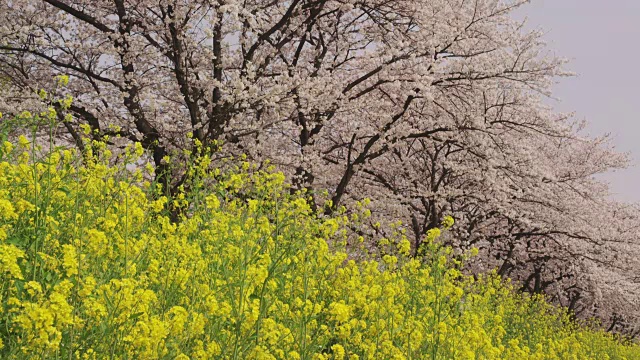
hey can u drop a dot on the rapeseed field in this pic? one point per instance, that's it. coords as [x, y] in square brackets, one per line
[93, 267]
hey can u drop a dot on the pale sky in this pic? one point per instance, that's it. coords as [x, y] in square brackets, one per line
[602, 40]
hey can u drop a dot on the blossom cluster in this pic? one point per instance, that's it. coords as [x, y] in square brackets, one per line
[93, 267]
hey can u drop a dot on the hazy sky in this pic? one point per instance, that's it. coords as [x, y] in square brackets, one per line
[602, 40]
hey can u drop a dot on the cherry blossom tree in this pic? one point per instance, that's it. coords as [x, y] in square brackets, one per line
[429, 107]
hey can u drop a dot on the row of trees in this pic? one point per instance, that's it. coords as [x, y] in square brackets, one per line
[429, 107]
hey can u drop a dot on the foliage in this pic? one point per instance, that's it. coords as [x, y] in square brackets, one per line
[92, 267]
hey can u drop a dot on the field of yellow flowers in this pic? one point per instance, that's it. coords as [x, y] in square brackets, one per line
[93, 268]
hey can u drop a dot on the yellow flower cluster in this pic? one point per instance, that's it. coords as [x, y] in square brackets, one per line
[92, 267]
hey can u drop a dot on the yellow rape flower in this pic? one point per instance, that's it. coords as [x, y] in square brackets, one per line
[433, 234]
[9, 257]
[404, 247]
[23, 141]
[338, 352]
[447, 222]
[63, 80]
[255, 276]
[70, 260]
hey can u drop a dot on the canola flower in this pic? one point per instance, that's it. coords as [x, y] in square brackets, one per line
[93, 268]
